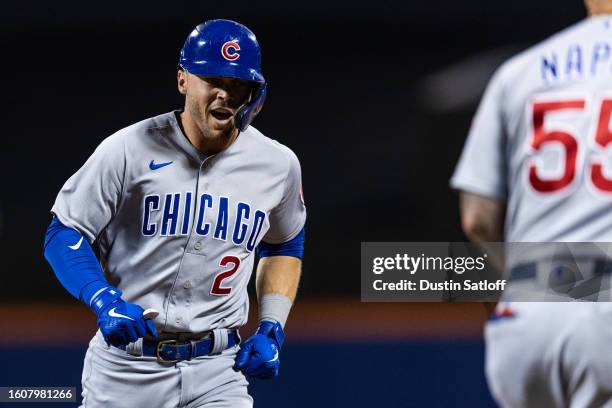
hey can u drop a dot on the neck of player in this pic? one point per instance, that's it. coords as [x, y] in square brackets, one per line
[598, 7]
[202, 143]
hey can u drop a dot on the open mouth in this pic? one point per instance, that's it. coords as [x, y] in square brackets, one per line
[221, 114]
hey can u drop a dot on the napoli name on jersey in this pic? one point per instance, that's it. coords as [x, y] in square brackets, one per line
[177, 230]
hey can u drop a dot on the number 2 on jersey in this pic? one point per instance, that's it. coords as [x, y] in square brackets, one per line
[217, 289]
[570, 143]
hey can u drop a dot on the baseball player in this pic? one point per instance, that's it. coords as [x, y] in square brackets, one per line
[180, 204]
[536, 168]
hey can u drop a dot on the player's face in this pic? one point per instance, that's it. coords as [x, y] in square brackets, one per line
[212, 103]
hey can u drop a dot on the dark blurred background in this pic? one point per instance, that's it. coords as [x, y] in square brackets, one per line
[375, 98]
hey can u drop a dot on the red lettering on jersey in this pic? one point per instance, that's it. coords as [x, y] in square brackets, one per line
[217, 289]
[542, 136]
[603, 137]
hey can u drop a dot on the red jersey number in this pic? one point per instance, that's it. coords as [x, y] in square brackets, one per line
[542, 136]
[603, 137]
[571, 145]
[217, 289]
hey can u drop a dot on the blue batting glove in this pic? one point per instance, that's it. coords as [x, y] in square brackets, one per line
[120, 322]
[258, 356]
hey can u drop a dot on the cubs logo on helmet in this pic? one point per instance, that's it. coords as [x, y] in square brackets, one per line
[229, 50]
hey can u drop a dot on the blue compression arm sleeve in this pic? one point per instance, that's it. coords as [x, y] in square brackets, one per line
[73, 261]
[294, 247]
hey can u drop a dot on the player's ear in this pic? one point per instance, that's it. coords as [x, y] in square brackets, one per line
[181, 78]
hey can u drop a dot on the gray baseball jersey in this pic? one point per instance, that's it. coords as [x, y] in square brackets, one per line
[178, 230]
[540, 138]
[540, 143]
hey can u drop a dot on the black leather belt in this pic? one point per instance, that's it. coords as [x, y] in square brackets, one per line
[172, 350]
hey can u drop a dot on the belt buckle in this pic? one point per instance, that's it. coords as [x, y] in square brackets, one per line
[159, 346]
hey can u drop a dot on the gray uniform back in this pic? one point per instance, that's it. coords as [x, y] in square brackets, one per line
[178, 230]
[539, 143]
[539, 139]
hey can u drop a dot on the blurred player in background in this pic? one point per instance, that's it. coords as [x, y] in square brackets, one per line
[536, 168]
[179, 204]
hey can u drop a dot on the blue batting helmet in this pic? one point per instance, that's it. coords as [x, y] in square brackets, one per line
[225, 48]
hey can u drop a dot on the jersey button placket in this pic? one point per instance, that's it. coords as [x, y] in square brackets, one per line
[181, 297]
[201, 187]
[188, 285]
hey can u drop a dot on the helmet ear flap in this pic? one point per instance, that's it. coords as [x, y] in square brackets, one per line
[247, 112]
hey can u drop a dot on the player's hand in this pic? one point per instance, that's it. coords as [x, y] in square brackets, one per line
[120, 322]
[258, 356]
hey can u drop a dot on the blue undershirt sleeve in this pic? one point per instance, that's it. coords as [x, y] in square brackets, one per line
[293, 247]
[73, 261]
